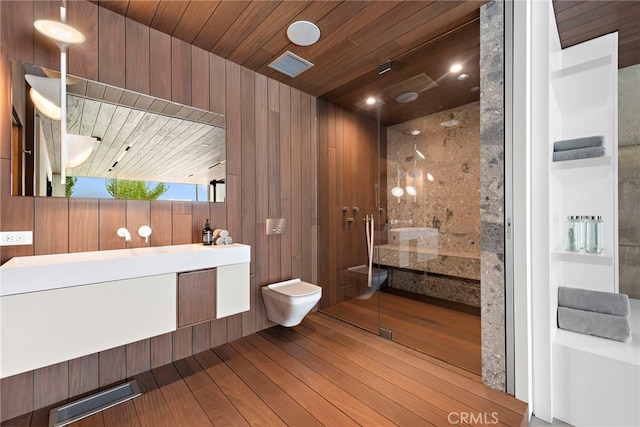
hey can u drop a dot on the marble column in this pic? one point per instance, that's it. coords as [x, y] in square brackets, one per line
[492, 193]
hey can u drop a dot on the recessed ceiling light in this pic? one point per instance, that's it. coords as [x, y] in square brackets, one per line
[455, 68]
[371, 100]
[463, 76]
[475, 89]
[450, 123]
[303, 33]
[415, 132]
[405, 97]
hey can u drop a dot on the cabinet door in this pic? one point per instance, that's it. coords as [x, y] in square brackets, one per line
[233, 290]
[196, 297]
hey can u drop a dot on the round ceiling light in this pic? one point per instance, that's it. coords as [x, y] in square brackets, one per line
[63, 34]
[397, 191]
[303, 33]
[415, 132]
[450, 123]
[463, 76]
[371, 100]
[456, 68]
[405, 97]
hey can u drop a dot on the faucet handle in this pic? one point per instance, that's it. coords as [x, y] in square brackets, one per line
[144, 231]
[123, 232]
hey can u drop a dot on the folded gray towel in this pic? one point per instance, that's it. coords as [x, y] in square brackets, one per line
[572, 144]
[601, 302]
[578, 153]
[589, 322]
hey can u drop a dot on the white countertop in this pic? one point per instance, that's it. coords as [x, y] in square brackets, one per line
[45, 272]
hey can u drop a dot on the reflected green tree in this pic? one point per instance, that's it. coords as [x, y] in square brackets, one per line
[70, 182]
[135, 190]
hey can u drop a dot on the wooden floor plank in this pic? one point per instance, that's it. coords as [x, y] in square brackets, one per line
[215, 404]
[375, 399]
[249, 404]
[411, 357]
[314, 403]
[405, 391]
[122, 415]
[151, 406]
[23, 420]
[183, 405]
[280, 402]
[354, 407]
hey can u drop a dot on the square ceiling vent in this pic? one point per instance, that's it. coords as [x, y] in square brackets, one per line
[290, 64]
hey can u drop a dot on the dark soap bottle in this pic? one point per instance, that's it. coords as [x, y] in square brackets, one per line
[207, 234]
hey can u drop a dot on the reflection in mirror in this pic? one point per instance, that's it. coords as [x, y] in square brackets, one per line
[147, 148]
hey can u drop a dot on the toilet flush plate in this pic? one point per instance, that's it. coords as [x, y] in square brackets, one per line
[276, 226]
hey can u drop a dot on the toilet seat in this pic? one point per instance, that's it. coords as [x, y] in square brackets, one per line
[295, 288]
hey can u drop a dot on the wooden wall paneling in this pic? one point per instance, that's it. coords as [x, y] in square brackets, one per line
[180, 71]
[113, 365]
[249, 324]
[17, 215]
[201, 337]
[45, 52]
[160, 62]
[137, 44]
[84, 225]
[313, 193]
[323, 200]
[200, 213]
[83, 374]
[200, 78]
[83, 58]
[218, 215]
[16, 395]
[50, 384]
[51, 226]
[6, 78]
[273, 177]
[295, 230]
[217, 84]
[181, 223]
[234, 327]
[138, 357]
[17, 30]
[308, 126]
[182, 343]
[248, 158]
[262, 173]
[233, 119]
[161, 350]
[142, 11]
[285, 179]
[160, 216]
[219, 332]
[138, 214]
[111, 48]
[336, 215]
[234, 205]
[113, 215]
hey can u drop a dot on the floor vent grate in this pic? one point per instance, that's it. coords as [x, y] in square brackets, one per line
[74, 411]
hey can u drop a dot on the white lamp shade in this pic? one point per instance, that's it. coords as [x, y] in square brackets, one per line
[79, 148]
[48, 108]
[64, 35]
[45, 94]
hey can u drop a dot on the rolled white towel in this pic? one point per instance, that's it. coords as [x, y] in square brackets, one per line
[219, 241]
[228, 240]
[224, 233]
[216, 233]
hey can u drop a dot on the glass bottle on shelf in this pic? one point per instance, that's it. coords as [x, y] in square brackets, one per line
[572, 234]
[593, 235]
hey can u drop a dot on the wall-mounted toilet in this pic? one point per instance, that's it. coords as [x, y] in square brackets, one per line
[288, 302]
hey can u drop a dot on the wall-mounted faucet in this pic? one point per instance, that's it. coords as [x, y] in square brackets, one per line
[144, 232]
[123, 232]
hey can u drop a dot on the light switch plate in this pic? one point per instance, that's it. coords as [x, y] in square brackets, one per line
[14, 238]
[276, 226]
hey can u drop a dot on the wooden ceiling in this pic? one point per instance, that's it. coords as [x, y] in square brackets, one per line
[420, 37]
[579, 21]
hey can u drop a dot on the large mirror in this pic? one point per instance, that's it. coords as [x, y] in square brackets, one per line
[147, 148]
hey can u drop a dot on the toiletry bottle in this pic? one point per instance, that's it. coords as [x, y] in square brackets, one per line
[207, 234]
[571, 234]
[591, 237]
[599, 234]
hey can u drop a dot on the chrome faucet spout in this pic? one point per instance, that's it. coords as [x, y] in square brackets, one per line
[123, 232]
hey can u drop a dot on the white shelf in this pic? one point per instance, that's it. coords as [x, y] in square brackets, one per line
[581, 257]
[582, 163]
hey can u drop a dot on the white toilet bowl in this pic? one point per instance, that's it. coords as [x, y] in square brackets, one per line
[288, 302]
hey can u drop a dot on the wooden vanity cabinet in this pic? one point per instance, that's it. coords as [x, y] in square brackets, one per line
[196, 296]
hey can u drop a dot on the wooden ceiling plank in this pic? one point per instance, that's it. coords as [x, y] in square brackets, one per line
[117, 6]
[143, 11]
[600, 27]
[576, 10]
[600, 11]
[193, 19]
[246, 23]
[276, 22]
[168, 14]
[225, 16]
[562, 5]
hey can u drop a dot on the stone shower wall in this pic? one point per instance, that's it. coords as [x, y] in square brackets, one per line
[492, 193]
[629, 179]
